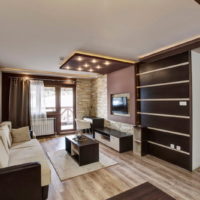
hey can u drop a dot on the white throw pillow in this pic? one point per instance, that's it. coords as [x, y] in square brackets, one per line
[20, 134]
[3, 155]
[5, 136]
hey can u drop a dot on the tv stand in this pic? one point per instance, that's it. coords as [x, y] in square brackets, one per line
[117, 140]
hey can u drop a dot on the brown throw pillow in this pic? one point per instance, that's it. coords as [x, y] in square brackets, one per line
[20, 134]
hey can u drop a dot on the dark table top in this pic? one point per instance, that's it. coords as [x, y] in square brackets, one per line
[144, 191]
[84, 142]
[112, 132]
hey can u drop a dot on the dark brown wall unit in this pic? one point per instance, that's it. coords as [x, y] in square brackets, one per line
[120, 82]
[163, 103]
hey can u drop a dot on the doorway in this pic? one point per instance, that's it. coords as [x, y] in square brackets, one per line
[60, 105]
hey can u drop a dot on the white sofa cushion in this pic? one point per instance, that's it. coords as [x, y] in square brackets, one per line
[9, 124]
[30, 152]
[30, 143]
[4, 157]
[20, 134]
[4, 135]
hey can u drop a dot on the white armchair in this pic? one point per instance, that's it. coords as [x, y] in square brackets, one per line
[81, 125]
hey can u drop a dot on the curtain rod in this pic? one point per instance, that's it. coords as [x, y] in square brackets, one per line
[40, 79]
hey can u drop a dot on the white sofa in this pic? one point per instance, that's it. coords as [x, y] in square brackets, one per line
[21, 153]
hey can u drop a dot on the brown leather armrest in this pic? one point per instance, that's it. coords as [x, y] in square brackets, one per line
[21, 182]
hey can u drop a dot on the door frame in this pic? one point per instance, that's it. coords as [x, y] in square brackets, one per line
[58, 85]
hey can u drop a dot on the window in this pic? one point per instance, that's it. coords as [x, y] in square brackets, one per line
[50, 99]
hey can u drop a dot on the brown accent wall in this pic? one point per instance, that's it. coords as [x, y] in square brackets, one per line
[119, 82]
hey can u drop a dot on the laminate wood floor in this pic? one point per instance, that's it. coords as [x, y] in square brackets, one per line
[129, 172]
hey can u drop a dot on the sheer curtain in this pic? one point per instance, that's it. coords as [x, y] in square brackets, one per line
[37, 100]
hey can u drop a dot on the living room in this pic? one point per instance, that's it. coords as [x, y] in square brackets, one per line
[91, 111]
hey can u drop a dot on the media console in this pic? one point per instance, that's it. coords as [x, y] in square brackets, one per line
[117, 140]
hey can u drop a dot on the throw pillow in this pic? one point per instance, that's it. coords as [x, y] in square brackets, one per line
[20, 134]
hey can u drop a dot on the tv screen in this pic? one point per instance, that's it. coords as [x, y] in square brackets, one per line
[119, 105]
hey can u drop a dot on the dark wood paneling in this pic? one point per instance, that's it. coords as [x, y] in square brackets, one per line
[167, 139]
[164, 107]
[167, 123]
[173, 60]
[166, 91]
[168, 75]
[174, 157]
[74, 64]
[198, 1]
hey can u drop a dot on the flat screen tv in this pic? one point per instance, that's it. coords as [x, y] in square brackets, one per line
[119, 105]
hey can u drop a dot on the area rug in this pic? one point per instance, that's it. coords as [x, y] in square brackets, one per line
[66, 167]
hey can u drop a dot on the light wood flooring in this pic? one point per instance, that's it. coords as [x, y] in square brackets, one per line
[129, 172]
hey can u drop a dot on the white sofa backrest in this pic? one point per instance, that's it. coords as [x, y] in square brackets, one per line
[4, 157]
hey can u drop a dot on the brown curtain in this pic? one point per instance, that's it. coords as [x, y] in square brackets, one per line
[19, 102]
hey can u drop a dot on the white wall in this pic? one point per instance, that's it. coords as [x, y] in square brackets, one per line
[196, 108]
[0, 95]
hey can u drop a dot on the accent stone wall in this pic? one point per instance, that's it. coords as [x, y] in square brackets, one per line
[99, 105]
[91, 99]
[83, 98]
[99, 97]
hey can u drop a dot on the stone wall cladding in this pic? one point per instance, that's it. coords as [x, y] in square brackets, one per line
[83, 98]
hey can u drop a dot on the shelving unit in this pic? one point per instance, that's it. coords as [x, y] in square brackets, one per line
[164, 109]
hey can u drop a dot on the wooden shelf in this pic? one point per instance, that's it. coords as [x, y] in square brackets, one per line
[167, 147]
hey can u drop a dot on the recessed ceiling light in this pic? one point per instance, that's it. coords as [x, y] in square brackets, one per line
[86, 65]
[107, 63]
[79, 69]
[68, 67]
[79, 58]
[94, 61]
[98, 67]
[91, 70]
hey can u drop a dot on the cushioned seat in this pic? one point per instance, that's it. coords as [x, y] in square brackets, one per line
[30, 151]
[30, 143]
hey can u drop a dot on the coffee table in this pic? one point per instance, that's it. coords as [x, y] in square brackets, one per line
[85, 151]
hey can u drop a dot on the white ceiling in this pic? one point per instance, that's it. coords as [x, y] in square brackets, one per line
[35, 33]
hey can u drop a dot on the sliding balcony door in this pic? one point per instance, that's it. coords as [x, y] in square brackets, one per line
[60, 105]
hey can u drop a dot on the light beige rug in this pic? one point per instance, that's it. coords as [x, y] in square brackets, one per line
[66, 167]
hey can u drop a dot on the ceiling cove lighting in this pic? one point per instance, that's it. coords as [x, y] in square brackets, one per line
[98, 67]
[79, 58]
[86, 65]
[107, 63]
[94, 61]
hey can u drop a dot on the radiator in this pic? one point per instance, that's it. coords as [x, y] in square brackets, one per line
[43, 126]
